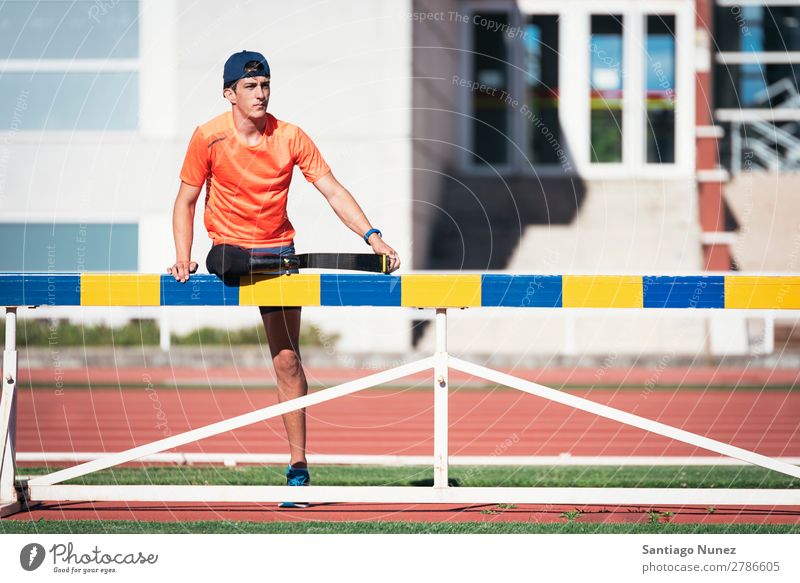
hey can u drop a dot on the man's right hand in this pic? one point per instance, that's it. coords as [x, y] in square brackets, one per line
[181, 270]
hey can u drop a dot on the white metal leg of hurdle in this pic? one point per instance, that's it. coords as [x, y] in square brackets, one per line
[48, 487]
[441, 387]
[9, 503]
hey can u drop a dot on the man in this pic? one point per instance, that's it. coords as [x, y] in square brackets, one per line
[245, 157]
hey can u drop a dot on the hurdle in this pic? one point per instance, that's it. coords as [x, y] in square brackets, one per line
[438, 292]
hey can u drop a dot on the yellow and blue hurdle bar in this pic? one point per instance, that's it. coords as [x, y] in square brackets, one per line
[440, 291]
[419, 291]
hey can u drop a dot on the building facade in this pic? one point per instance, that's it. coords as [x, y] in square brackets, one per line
[529, 136]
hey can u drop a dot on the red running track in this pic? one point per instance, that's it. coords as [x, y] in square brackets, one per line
[399, 422]
[187, 512]
[696, 376]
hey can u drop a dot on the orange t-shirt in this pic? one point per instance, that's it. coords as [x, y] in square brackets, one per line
[247, 186]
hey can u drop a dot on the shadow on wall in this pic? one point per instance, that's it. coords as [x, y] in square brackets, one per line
[486, 130]
[480, 221]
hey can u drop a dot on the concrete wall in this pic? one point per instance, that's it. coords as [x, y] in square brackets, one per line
[435, 115]
[556, 222]
[340, 70]
[767, 208]
[372, 85]
[621, 227]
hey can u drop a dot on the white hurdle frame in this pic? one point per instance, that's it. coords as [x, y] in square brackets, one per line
[49, 487]
[9, 501]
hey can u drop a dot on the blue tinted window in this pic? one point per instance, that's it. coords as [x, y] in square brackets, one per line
[606, 82]
[69, 247]
[661, 62]
[660, 75]
[70, 101]
[69, 30]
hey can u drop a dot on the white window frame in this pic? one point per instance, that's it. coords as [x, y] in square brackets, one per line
[574, 65]
[156, 66]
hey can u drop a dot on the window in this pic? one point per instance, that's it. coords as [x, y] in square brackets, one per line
[70, 65]
[606, 86]
[756, 89]
[513, 94]
[660, 87]
[489, 99]
[541, 87]
[69, 247]
[71, 101]
[613, 110]
[757, 67]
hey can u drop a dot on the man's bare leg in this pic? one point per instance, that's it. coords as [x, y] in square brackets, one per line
[283, 334]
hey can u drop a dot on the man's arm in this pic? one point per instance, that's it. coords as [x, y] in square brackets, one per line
[183, 231]
[348, 211]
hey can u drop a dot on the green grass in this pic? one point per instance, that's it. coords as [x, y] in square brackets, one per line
[145, 332]
[466, 476]
[653, 521]
[388, 527]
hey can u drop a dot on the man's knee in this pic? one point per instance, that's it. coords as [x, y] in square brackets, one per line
[287, 362]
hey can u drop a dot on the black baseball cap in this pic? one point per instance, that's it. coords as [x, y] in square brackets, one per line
[234, 67]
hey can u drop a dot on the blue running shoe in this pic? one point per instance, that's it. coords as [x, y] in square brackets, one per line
[296, 477]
